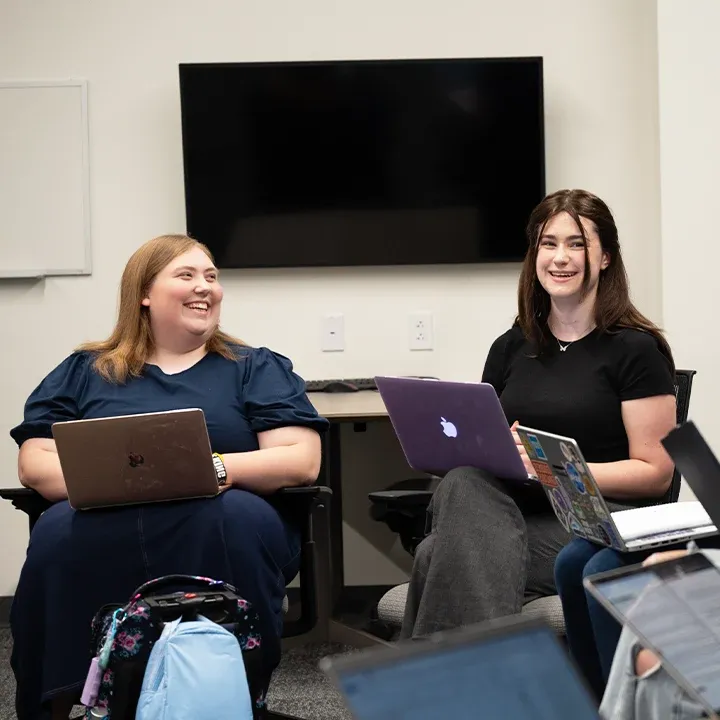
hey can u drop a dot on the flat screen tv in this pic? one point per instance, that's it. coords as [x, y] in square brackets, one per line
[351, 163]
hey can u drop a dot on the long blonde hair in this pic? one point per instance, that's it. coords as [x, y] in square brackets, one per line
[128, 348]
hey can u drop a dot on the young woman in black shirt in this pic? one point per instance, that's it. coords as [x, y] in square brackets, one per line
[580, 361]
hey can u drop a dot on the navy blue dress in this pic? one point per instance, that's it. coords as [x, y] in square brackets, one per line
[78, 561]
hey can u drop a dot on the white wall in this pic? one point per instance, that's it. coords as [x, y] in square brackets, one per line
[689, 102]
[601, 116]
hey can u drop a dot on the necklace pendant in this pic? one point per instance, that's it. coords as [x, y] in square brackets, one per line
[563, 348]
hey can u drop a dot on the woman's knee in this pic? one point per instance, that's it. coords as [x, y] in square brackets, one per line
[646, 662]
[252, 525]
[464, 483]
[461, 476]
[571, 562]
[604, 560]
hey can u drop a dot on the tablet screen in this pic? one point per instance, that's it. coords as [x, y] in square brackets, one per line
[674, 607]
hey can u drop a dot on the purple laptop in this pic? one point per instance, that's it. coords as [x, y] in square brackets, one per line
[444, 425]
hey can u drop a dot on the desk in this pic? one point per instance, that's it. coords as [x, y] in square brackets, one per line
[349, 407]
[353, 407]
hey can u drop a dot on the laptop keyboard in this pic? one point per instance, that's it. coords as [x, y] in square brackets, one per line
[670, 537]
[655, 520]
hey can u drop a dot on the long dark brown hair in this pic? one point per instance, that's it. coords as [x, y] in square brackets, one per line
[613, 308]
[125, 352]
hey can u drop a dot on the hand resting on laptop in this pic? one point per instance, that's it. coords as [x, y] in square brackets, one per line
[521, 449]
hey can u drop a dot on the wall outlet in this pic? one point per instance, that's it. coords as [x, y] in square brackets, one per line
[333, 333]
[420, 331]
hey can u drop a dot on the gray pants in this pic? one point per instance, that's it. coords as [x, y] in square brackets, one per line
[491, 548]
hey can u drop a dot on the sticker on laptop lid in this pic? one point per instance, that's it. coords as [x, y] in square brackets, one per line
[598, 508]
[592, 533]
[568, 452]
[561, 514]
[608, 536]
[575, 526]
[544, 474]
[574, 475]
[561, 499]
[533, 447]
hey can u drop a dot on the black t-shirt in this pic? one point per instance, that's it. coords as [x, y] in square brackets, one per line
[577, 393]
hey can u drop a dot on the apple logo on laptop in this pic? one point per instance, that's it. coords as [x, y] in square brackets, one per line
[135, 459]
[448, 428]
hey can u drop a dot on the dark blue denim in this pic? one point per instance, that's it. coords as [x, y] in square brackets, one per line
[592, 633]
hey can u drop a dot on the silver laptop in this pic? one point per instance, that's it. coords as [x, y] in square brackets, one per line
[580, 507]
[131, 459]
[672, 607]
[510, 668]
[443, 425]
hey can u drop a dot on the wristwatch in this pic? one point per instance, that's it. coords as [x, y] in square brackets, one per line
[220, 470]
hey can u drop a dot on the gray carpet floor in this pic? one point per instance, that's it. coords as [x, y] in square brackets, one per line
[299, 687]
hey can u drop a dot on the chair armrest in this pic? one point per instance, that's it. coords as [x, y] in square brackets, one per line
[405, 512]
[293, 497]
[28, 501]
[401, 499]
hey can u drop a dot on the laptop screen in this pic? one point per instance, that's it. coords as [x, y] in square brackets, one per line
[521, 674]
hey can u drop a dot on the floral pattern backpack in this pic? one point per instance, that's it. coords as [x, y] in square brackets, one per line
[123, 636]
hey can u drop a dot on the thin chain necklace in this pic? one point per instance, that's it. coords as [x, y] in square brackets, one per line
[564, 347]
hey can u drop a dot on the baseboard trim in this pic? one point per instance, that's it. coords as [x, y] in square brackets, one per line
[5, 602]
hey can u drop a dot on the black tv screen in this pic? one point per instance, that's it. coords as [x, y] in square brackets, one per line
[396, 162]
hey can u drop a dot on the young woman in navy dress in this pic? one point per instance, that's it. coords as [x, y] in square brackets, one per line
[165, 353]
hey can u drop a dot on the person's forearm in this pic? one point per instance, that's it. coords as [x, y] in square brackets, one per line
[268, 470]
[628, 479]
[40, 470]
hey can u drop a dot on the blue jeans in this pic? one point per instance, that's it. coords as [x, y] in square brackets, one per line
[592, 633]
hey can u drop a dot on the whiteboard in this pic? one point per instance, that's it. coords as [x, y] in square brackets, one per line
[44, 179]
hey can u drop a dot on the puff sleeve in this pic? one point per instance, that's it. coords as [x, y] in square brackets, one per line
[274, 396]
[55, 399]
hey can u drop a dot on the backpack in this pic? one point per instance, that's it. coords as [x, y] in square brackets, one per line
[123, 638]
[195, 672]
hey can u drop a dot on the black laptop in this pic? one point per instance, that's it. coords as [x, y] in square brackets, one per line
[697, 464]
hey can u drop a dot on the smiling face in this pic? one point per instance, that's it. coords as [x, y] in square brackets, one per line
[184, 300]
[561, 260]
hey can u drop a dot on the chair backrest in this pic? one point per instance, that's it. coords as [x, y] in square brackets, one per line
[683, 387]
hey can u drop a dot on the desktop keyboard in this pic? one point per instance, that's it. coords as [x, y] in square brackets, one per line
[349, 384]
[352, 384]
